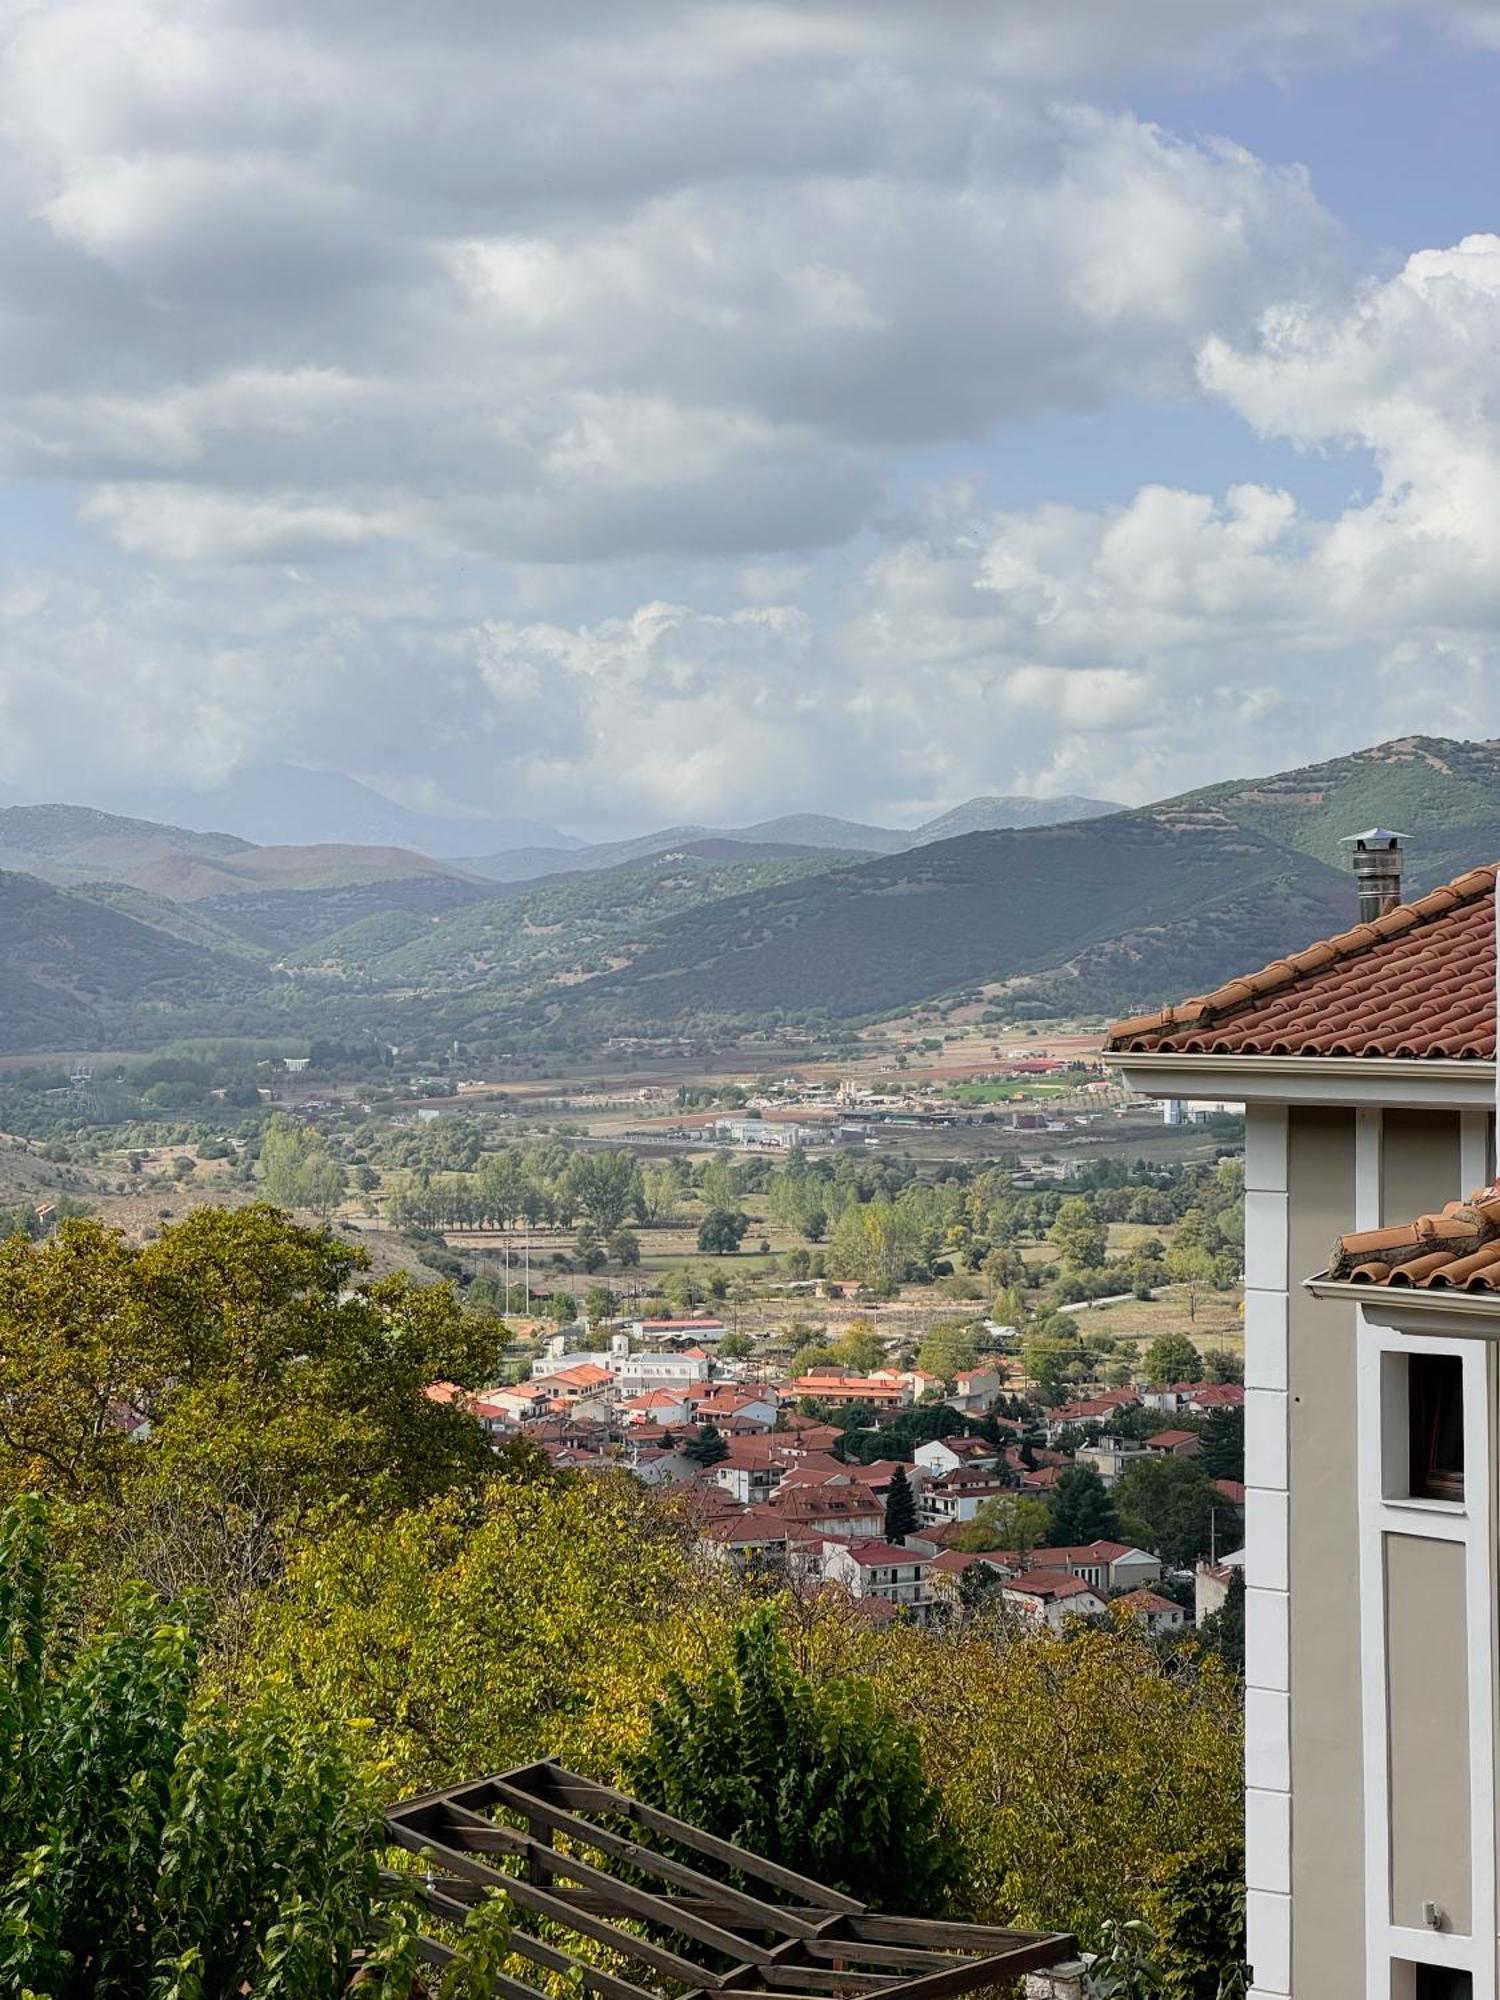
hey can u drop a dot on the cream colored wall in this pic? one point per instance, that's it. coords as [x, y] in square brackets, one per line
[1419, 1163]
[1327, 1824]
[1427, 1665]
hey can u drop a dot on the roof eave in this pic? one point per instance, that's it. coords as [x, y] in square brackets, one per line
[1430, 1083]
[1413, 1308]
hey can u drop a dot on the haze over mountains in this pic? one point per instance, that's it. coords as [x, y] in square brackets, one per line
[127, 932]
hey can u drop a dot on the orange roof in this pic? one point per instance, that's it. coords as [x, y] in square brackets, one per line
[1418, 982]
[1455, 1248]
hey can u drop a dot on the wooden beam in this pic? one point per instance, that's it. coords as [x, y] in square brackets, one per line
[527, 1897]
[764, 1916]
[572, 1790]
[968, 1973]
[458, 1899]
[614, 1894]
[878, 1954]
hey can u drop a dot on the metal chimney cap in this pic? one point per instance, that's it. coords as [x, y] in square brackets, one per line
[1374, 837]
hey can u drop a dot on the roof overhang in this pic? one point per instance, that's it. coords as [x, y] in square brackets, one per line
[1413, 1309]
[1406, 1082]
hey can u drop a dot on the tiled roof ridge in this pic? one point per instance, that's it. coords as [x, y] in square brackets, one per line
[1205, 1008]
[1456, 1247]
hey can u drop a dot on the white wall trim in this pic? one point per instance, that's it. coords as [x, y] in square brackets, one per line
[1474, 1528]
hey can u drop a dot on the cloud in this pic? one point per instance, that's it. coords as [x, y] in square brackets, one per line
[579, 283]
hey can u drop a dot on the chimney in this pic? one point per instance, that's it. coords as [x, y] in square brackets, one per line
[1377, 855]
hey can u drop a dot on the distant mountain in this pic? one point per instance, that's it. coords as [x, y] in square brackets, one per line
[881, 935]
[796, 830]
[1003, 811]
[1444, 794]
[287, 805]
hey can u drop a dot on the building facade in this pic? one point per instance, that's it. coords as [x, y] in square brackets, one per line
[1366, 1067]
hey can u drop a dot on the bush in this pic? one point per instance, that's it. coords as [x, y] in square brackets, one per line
[820, 1779]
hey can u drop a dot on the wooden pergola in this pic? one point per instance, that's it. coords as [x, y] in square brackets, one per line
[688, 1914]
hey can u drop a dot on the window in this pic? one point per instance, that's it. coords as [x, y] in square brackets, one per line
[1435, 1423]
[1440, 1982]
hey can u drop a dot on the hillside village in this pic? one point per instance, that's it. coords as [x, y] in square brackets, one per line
[772, 1476]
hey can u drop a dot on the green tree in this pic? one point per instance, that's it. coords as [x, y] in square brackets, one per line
[1223, 1631]
[947, 1348]
[1014, 1521]
[875, 1243]
[821, 1779]
[1167, 1504]
[624, 1248]
[1079, 1235]
[297, 1169]
[599, 1302]
[155, 1840]
[1081, 1510]
[722, 1231]
[1171, 1357]
[606, 1186]
[1221, 1448]
[900, 1508]
[708, 1446]
[736, 1347]
[859, 1347]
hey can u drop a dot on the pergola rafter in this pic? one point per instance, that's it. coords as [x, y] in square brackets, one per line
[752, 1929]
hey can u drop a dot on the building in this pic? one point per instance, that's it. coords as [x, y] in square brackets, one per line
[1109, 1457]
[1147, 1607]
[881, 1391]
[1366, 1067]
[1051, 1597]
[1106, 1566]
[879, 1569]
[956, 1454]
[1174, 1444]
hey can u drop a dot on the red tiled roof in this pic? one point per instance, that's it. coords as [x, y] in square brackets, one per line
[1418, 982]
[1455, 1248]
[1049, 1583]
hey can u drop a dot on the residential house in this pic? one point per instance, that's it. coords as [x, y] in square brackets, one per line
[635, 1373]
[1366, 1065]
[1108, 1566]
[958, 1496]
[879, 1569]
[1109, 1457]
[658, 1406]
[1174, 1444]
[738, 1410]
[1158, 1614]
[955, 1454]
[881, 1391]
[844, 1513]
[976, 1390]
[1051, 1597]
[1091, 1410]
[1211, 1583]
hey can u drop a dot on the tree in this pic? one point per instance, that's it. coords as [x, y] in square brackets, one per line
[1171, 1357]
[1014, 1521]
[155, 1839]
[721, 1231]
[736, 1347]
[1166, 1504]
[708, 1446]
[599, 1302]
[900, 1508]
[588, 1252]
[624, 1248]
[1221, 1447]
[297, 1169]
[1081, 1510]
[875, 1243]
[1222, 1364]
[947, 1348]
[268, 1374]
[1080, 1236]
[859, 1347]
[820, 1779]
[1223, 1631]
[606, 1186]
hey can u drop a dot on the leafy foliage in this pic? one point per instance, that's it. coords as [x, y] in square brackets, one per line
[821, 1779]
[154, 1844]
[1082, 1510]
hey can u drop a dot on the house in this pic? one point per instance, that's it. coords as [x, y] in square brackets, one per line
[954, 1454]
[652, 1369]
[1107, 1566]
[1051, 1597]
[1092, 1410]
[1211, 1582]
[976, 1391]
[756, 1537]
[1158, 1614]
[879, 1569]
[1109, 1457]
[731, 1410]
[921, 1383]
[657, 1406]
[958, 1496]
[1365, 1063]
[702, 1326]
[1174, 1444]
[946, 1571]
[843, 1513]
[515, 1405]
[881, 1391]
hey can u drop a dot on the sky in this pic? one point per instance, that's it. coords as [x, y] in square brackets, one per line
[627, 412]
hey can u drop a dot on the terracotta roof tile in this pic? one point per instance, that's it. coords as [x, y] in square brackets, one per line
[1418, 982]
[1454, 1248]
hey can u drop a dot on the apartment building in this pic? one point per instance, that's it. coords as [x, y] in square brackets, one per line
[1366, 1064]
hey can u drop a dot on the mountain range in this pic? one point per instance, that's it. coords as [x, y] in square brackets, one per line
[126, 932]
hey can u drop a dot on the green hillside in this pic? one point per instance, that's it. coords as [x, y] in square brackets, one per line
[1445, 794]
[1152, 901]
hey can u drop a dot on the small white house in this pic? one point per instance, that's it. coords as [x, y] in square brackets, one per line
[878, 1569]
